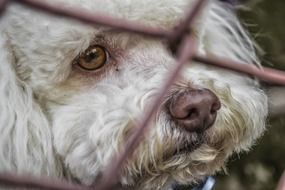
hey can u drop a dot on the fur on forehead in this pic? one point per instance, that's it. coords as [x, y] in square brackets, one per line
[217, 27]
[159, 12]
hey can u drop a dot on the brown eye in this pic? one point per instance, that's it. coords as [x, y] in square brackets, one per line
[93, 58]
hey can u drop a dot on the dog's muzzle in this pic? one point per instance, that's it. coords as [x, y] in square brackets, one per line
[195, 110]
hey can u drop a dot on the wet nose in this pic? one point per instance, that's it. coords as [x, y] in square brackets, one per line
[194, 109]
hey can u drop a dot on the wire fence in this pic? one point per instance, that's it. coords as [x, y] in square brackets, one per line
[180, 40]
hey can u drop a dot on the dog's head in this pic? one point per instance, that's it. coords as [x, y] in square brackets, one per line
[73, 94]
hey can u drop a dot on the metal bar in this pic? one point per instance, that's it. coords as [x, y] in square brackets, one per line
[180, 30]
[264, 74]
[91, 18]
[26, 181]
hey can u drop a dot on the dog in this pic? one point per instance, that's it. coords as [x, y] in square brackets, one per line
[71, 95]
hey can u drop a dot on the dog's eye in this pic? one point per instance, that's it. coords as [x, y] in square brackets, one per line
[93, 58]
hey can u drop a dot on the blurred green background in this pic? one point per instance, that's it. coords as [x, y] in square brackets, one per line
[261, 168]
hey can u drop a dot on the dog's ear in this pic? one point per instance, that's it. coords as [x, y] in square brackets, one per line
[25, 137]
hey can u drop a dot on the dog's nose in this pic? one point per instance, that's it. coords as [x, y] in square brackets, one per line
[195, 109]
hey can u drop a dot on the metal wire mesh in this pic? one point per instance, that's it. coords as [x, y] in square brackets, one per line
[182, 43]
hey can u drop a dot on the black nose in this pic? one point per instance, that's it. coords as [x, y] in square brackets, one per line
[194, 109]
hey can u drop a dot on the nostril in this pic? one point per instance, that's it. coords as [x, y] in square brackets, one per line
[213, 111]
[181, 107]
[192, 113]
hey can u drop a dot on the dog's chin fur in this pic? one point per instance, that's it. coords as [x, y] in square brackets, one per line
[61, 121]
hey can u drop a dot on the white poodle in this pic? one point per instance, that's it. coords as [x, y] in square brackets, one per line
[71, 92]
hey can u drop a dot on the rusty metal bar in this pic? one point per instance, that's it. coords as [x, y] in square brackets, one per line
[177, 34]
[26, 181]
[265, 74]
[190, 17]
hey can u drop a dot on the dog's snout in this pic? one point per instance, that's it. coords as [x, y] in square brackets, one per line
[194, 109]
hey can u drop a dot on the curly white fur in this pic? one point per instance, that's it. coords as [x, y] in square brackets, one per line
[60, 121]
